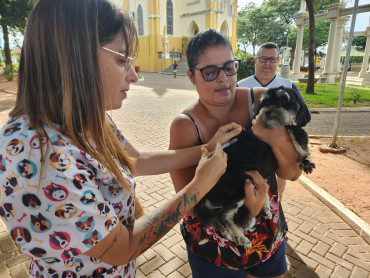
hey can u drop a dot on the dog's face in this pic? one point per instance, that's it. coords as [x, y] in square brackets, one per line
[59, 239]
[7, 211]
[21, 235]
[31, 200]
[282, 106]
[115, 191]
[59, 161]
[111, 223]
[15, 147]
[85, 225]
[69, 256]
[40, 223]
[38, 252]
[88, 198]
[103, 209]
[26, 168]
[55, 192]
[66, 211]
[79, 180]
[93, 239]
[69, 274]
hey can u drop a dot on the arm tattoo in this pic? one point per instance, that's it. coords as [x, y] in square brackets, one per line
[189, 200]
[159, 222]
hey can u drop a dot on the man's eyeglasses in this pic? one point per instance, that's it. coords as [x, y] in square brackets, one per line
[264, 60]
[129, 60]
[210, 73]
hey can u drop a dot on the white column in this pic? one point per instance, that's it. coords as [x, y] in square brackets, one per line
[298, 51]
[366, 79]
[300, 20]
[331, 47]
[338, 45]
[365, 62]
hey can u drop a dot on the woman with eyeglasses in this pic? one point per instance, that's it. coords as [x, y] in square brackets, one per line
[66, 170]
[213, 70]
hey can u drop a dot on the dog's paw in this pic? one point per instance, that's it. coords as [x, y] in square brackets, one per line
[237, 236]
[266, 213]
[307, 165]
[243, 241]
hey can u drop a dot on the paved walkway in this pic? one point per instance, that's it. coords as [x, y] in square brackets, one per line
[321, 244]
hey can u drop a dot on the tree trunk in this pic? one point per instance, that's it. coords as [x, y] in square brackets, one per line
[292, 57]
[254, 47]
[8, 57]
[311, 41]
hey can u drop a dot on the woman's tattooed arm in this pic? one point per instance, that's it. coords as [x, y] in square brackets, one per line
[158, 223]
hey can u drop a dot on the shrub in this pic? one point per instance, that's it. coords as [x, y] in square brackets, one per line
[246, 65]
[8, 72]
[353, 59]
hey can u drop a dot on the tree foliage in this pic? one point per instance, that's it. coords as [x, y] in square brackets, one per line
[246, 65]
[13, 15]
[359, 43]
[274, 21]
[270, 22]
[252, 25]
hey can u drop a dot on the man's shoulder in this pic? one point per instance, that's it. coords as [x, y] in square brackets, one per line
[278, 77]
[246, 82]
[280, 81]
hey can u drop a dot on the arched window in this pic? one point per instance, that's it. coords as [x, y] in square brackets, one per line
[140, 23]
[169, 10]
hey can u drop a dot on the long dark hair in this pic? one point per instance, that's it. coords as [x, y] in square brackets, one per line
[59, 78]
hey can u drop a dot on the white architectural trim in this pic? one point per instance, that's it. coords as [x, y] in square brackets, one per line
[154, 16]
[193, 2]
[206, 11]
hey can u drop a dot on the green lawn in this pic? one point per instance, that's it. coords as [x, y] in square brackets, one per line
[327, 95]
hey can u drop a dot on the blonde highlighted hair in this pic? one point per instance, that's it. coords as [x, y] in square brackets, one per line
[59, 78]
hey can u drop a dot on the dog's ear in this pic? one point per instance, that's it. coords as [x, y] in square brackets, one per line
[303, 114]
[264, 100]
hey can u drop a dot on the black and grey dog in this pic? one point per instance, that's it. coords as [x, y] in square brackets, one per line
[223, 207]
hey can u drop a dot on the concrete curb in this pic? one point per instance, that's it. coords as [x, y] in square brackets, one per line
[341, 136]
[343, 109]
[357, 224]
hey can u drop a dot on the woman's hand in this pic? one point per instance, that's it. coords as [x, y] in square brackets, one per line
[210, 168]
[223, 135]
[255, 193]
[270, 136]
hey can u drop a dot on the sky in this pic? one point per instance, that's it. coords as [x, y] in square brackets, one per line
[362, 19]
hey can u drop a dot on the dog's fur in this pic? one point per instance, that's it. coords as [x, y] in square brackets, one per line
[223, 207]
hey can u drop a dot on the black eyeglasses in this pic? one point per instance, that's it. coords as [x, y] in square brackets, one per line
[210, 73]
[264, 60]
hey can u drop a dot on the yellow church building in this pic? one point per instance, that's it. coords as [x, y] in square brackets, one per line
[166, 26]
